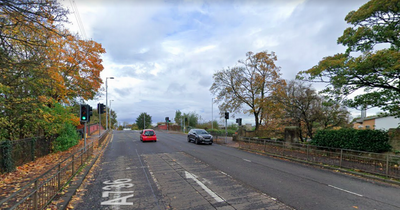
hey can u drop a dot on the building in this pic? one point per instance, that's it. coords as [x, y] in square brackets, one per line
[377, 122]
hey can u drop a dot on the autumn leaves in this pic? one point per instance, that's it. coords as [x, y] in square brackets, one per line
[44, 69]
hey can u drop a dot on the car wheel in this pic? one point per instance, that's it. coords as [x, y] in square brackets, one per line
[210, 143]
[188, 139]
[197, 141]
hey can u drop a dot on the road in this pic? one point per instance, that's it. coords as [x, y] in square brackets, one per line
[175, 174]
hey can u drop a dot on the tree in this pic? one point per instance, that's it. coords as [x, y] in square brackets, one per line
[178, 117]
[134, 126]
[251, 83]
[376, 72]
[143, 121]
[192, 119]
[113, 118]
[42, 66]
[302, 105]
[25, 29]
[307, 110]
[333, 114]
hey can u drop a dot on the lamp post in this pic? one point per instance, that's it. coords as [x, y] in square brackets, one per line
[110, 114]
[212, 111]
[107, 101]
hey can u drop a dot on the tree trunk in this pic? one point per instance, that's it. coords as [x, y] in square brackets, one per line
[257, 123]
[300, 131]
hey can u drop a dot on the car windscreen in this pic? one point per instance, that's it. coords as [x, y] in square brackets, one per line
[149, 133]
[201, 132]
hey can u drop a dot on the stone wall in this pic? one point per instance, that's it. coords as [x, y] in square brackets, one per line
[292, 134]
[394, 138]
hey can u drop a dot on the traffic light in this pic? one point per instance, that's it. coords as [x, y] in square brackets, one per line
[239, 121]
[101, 108]
[84, 113]
[226, 115]
[167, 119]
[90, 112]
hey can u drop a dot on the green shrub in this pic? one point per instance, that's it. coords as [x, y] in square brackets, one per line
[362, 140]
[67, 138]
[220, 132]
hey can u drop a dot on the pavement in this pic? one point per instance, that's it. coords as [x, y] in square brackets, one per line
[76, 182]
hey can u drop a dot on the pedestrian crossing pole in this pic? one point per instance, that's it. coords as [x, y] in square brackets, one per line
[85, 135]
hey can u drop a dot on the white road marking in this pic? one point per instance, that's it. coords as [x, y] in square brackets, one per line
[116, 198]
[155, 180]
[346, 191]
[210, 192]
[118, 195]
[225, 174]
[247, 160]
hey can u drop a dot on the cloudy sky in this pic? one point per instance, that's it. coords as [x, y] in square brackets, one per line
[164, 53]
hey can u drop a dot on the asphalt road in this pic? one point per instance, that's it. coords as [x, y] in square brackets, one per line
[175, 174]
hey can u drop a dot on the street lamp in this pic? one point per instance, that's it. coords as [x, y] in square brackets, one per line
[212, 111]
[110, 114]
[107, 101]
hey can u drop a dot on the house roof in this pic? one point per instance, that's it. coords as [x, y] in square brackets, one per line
[361, 120]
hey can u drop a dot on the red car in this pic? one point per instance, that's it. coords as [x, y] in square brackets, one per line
[148, 135]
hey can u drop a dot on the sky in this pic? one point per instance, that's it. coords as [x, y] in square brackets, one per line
[163, 54]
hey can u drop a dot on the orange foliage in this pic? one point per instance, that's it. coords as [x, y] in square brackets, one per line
[73, 68]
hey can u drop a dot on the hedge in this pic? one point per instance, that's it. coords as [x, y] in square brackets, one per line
[219, 132]
[353, 139]
[68, 138]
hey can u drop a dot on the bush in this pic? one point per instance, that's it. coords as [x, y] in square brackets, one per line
[67, 138]
[220, 132]
[362, 140]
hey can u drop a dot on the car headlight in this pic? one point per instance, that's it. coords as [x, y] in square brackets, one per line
[201, 138]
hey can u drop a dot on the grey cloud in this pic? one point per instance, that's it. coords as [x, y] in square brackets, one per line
[138, 36]
[122, 92]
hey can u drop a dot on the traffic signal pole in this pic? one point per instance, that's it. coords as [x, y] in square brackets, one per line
[85, 135]
[99, 111]
[226, 126]
[226, 131]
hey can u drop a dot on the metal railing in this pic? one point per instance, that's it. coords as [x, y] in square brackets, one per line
[40, 192]
[374, 163]
[19, 152]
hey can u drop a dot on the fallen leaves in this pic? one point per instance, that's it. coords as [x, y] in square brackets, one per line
[13, 181]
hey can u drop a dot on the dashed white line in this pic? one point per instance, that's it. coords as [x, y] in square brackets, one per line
[338, 188]
[225, 174]
[247, 160]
